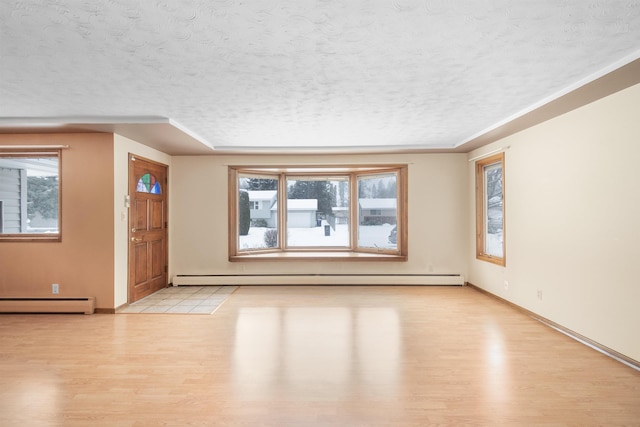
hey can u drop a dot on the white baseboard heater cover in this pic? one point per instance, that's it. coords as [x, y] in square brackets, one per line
[318, 279]
[84, 305]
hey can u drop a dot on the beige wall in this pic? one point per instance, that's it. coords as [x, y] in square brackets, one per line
[572, 210]
[573, 221]
[437, 216]
[82, 264]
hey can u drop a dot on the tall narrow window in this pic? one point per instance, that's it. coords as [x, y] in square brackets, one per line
[490, 226]
[30, 195]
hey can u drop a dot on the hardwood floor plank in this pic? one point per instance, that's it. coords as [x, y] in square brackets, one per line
[311, 356]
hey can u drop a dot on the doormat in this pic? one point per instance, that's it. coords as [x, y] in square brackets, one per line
[182, 300]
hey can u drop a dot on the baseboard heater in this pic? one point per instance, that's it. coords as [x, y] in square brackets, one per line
[84, 305]
[318, 279]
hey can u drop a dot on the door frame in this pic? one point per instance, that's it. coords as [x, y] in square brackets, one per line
[131, 188]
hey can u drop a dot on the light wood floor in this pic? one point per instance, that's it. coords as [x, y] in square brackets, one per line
[311, 356]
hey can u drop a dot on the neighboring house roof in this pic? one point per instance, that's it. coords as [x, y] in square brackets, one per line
[299, 205]
[377, 203]
[261, 194]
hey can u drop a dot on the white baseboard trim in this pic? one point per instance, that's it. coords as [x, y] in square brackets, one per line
[47, 305]
[319, 279]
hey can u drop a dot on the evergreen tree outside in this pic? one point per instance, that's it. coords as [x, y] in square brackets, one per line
[244, 213]
[42, 196]
[343, 193]
[494, 185]
[377, 187]
[322, 191]
[494, 200]
[259, 184]
[390, 191]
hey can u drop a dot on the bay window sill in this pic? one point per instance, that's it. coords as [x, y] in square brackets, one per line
[318, 256]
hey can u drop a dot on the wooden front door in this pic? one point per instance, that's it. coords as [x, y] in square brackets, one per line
[147, 227]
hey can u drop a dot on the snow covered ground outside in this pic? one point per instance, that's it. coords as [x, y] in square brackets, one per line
[371, 236]
[494, 244]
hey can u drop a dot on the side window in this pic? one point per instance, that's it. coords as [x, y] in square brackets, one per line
[378, 211]
[490, 225]
[29, 195]
[257, 222]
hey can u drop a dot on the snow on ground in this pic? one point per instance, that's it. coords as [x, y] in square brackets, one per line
[494, 244]
[370, 236]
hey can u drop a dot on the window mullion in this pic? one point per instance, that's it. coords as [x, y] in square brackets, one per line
[282, 211]
[353, 211]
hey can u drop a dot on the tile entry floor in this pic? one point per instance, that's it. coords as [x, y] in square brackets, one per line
[182, 300]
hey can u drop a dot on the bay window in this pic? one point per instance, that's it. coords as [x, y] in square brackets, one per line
[355, 213]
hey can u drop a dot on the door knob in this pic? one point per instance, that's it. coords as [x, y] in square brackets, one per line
[136, 239]
[133, 230]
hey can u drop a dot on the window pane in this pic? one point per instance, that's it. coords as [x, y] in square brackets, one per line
[148, 184]
[318, 212]
[377, 211]
[29, 195]
[493, 210]
[257, 212]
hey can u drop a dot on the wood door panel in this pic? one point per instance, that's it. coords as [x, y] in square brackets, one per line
[157, 258]
[156, 214]
[140, 215]
[140, 262]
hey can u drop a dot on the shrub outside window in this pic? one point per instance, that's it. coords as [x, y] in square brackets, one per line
[344, 212]
[256, 205]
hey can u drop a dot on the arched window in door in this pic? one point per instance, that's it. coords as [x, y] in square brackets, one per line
[148, 184]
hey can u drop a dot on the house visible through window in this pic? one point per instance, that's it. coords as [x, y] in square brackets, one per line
[377, 205]
[29, 195]
[310, 218]
[490, 226]
[336, 211]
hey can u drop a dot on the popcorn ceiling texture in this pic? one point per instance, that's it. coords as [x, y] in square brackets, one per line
[306, 73]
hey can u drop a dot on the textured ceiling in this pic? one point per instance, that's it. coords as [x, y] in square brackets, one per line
[273, 74]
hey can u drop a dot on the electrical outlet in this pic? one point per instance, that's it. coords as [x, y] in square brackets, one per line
[540, 294]
[506, 285]
[55, 288]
